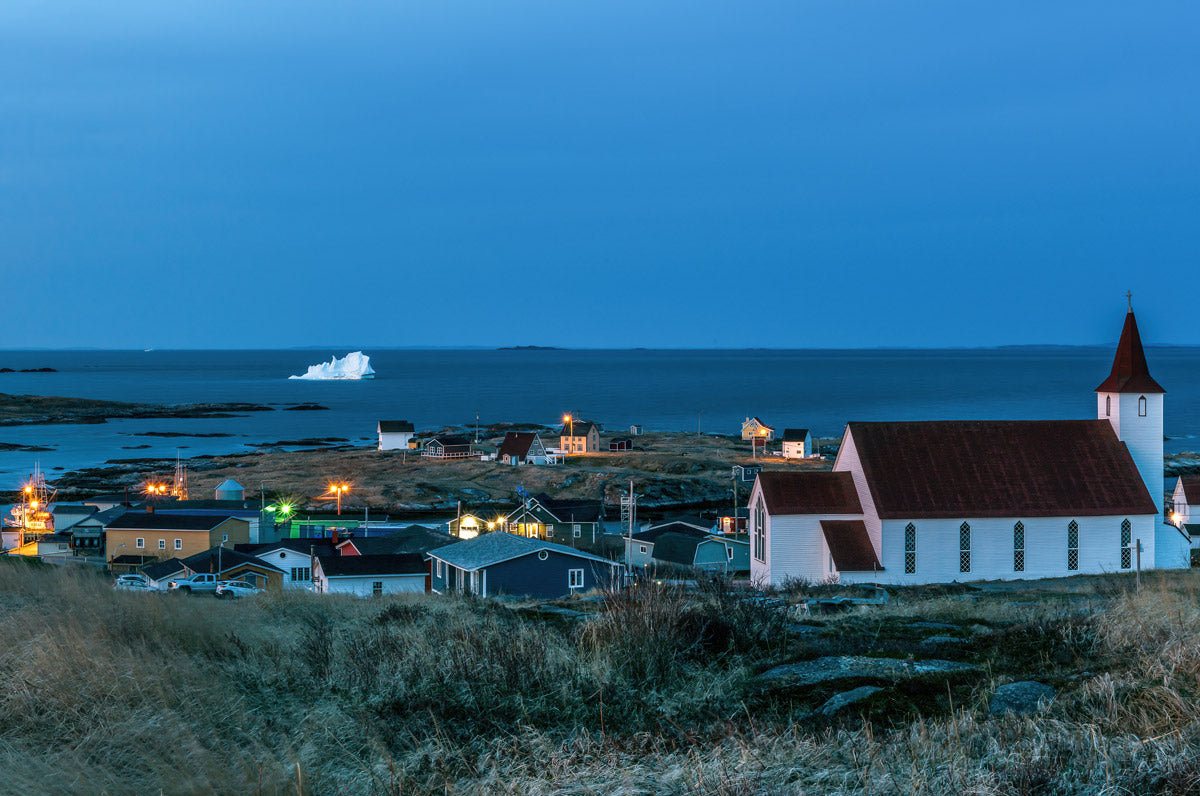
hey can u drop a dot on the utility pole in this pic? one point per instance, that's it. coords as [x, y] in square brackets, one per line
[629, 541]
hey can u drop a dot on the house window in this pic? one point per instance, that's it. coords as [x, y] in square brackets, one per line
[1142, 406]
[575, 578]
[377, 588]
[178, 544]
[140, 543]
[439, 569]
[910, 549]
[576, 531]
[1126, 544]
[1073, 546]
[162, 544]
[964, 548]
[549, 531]
[301, 574]
[225, 537]
[1019, 547]
[641, 548]
[729, 553]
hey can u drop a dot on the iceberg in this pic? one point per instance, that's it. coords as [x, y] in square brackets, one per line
[353, 366]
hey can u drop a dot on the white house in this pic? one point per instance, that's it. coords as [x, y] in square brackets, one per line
[1183, 498]
[395, 435]
[797, 443]
[293, 556]
[370, 576]
[972, 500]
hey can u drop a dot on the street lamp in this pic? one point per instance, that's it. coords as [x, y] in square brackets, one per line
[337, 490]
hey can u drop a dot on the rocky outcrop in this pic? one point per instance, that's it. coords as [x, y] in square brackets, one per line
[1026, 696]
[846, 668]
[848, 699]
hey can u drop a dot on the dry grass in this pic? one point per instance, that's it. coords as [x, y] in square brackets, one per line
[124, 693]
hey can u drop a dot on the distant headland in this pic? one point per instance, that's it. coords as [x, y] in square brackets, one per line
[530, 348]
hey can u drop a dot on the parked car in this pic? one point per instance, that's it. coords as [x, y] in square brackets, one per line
[198, 583]
[135, 578]
[231, 589]
[134, 584]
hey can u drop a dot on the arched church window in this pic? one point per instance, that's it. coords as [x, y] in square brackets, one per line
[1126, 544]
[1073, 546]
[964, 548]
[1019, 547]
[1142, 406]
[910, 549]
[1108, 406]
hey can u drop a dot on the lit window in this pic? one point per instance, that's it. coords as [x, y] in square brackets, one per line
[575, 578]
[1073, 546]
[910, 549]
[964, 548]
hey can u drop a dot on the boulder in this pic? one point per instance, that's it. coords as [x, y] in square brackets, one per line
[833, 669]
[1026, 696]
[846, 699]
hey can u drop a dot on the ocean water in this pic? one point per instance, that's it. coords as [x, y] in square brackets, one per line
[670, 390]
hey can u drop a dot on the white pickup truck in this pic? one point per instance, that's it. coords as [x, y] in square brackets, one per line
[196, 583]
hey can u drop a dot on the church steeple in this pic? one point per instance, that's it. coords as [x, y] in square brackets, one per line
[1130, 373]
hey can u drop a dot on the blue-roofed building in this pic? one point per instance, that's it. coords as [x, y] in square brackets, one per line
[505, 564]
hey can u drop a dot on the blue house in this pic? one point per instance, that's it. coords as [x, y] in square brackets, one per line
[503, 563]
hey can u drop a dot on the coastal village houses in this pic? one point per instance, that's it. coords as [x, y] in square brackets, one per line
[579, 436]
[448, 448]
[522, 447]
[926, 502]
[152, 535]
[797, 443]
[753, 428]
[395, 435]
[503, 563]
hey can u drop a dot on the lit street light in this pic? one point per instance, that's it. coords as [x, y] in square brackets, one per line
[337, 490]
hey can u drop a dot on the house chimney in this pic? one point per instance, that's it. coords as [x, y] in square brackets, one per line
[334, 537]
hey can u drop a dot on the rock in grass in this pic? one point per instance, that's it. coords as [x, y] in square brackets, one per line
[934, 641]
[1026, 696]
[833, 669]
[846, 699]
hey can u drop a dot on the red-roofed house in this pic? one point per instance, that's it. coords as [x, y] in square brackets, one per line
[972, 500]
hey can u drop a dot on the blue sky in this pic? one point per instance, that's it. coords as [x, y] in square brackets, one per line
[833, 173]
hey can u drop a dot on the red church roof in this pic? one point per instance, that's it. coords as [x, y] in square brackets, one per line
[999, 468]
[809, 492]
[1130, 373]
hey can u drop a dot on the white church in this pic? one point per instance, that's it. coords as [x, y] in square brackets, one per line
[939, 501]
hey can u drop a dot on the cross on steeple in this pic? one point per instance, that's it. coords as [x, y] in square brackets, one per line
[1129, 295]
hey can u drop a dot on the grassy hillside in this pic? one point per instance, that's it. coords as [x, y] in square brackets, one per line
[129, 693]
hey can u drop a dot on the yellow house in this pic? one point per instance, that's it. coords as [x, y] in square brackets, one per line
[753, 428]
[579, 436]
[164, 536]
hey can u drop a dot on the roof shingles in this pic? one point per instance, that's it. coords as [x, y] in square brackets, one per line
[998, 468]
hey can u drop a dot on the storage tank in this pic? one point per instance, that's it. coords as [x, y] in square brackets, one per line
[231, 490]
